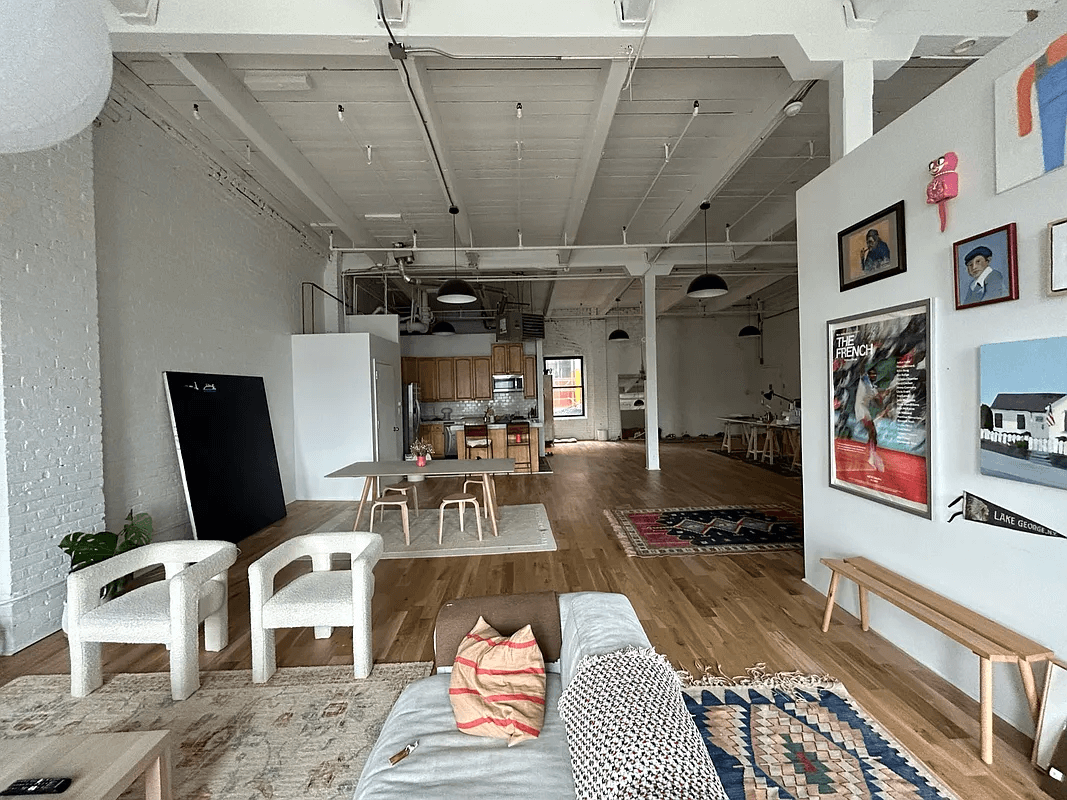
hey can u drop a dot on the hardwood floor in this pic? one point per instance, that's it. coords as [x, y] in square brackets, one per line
[733, 611]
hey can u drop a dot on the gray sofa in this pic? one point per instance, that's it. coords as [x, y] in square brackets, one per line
[452, 764]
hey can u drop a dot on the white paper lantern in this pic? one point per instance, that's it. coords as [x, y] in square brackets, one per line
[55, 70]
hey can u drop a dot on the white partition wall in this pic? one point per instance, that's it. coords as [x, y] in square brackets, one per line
[1015, 578]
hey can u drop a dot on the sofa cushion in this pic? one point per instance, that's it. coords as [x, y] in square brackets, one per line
[498, 684]
[596, 622]
[630, 734]
[450, 764]
[505, 612]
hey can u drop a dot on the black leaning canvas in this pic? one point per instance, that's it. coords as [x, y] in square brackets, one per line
[226, 452]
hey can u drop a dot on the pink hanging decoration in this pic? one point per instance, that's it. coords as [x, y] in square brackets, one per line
[945, 185]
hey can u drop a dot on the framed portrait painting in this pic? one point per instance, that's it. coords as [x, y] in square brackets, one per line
[985, 268]
[880, 406]
[873, 248]
[1057, 247]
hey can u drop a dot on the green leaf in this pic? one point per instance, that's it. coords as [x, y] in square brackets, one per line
[86, 549]
[136, 532]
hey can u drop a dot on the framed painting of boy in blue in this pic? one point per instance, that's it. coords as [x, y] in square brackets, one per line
[873, 248]
[985, 268]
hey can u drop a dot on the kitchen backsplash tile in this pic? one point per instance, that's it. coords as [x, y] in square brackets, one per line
[502, 405]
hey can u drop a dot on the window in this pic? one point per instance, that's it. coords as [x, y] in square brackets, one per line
[568, 388]
[1020, 422]
[998, 420]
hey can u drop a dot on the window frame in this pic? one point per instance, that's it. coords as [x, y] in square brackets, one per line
[582, 385]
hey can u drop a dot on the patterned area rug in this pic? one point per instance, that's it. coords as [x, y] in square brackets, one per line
[304, 733]
[722, 530]
[804, 744]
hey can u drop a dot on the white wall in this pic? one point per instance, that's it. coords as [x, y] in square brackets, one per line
[1015, 578]
[781, 357]
[194, 275]
[50, 432]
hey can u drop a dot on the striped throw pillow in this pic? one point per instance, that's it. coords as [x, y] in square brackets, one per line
[498, 684]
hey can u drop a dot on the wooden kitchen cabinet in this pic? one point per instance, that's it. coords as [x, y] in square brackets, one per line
[434, 432]
[446, 378]
[409, 370]
[529, 377]
[483, 381]
[508, 358]
[427, 379]
[464, 372]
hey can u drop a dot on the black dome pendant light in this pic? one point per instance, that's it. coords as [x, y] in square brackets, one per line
[618, 335]
[455, 291]
[708, 284]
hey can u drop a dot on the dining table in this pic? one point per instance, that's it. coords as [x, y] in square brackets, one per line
[483, 468]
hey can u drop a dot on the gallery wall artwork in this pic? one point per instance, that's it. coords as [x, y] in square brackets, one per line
[1031, 116]
[1057, 248]
[1023, 417]
[873, 248]
[880, 406]
[944, 186]
[978, 509]
[986, 268]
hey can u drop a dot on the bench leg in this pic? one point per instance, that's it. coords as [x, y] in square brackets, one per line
[986, 710]
[865, 612]
[1026, 670]
[830, 602]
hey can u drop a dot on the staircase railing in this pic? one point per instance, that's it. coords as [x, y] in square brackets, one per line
[305, 296]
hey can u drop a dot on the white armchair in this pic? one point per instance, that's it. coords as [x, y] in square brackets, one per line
[168, 612]
[322, 599]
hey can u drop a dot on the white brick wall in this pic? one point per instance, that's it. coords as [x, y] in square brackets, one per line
[51, 462]
[197, 273]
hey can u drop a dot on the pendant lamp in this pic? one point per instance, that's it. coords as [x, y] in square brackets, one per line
[748, 332]
[618, 335]
[709, 284]
[454, 290]
[443, 328]
[55, 71]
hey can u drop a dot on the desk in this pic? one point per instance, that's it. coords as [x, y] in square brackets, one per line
[743, 423]
[102, 765]
[790, 436]
[440, 468]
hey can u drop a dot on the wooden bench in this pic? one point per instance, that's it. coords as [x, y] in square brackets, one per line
[987, 639]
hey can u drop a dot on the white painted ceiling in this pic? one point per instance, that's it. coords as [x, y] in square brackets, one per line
[585, 159]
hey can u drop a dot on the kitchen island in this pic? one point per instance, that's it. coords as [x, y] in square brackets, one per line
[498, 436]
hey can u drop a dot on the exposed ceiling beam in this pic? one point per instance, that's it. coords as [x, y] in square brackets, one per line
[211, 76]
[614, 77]
[772, 216]
[417, 86]
[718, 172]
[550, 295]
[614, 290]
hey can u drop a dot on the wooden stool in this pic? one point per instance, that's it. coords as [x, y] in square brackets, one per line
[403, 487]
[476, 437]
[402, 502]
[479, 483]
[461, 499]
[518, 439]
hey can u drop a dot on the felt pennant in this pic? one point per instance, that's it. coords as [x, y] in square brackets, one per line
[977, 509]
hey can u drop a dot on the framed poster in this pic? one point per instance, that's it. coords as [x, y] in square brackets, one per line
[1028, 128]
[1022, 425]
[1053, 717]
[1057, 247]
[873, 248]
[880, 406]
[985, 268]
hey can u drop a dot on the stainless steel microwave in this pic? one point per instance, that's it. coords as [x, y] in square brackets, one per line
[507, 383]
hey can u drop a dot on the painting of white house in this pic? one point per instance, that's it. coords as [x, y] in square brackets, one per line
[1030, 117]
[1023, 416]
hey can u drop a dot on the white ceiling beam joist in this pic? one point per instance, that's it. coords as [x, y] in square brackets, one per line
[614, 76]
[608, 295]
[210, 74]
[137, 12]
[417, 87]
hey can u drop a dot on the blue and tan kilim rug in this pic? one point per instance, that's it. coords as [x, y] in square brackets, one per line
[809, 743]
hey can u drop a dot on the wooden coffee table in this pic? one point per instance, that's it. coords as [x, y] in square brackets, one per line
[101, 765]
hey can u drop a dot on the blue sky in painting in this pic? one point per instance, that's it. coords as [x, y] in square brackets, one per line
[1037, 365]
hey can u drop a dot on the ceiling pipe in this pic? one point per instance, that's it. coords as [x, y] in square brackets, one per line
[483, 278]
[666, 160]
[554, 247]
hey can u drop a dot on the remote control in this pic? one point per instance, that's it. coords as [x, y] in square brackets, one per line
[37, 786]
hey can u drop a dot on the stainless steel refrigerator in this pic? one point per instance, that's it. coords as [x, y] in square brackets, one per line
[412, 415]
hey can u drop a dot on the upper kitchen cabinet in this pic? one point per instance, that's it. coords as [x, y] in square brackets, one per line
[428, 379]
[446, 379]
[409, 370]
[508, 359]
[464, 374]
[529, 377]
[483, 381]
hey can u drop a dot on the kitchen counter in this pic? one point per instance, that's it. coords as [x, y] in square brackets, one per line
[455, 423]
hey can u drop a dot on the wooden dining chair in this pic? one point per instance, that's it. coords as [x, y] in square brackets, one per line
[518, 439]
[476, 437]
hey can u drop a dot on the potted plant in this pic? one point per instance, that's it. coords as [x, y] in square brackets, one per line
[422, 450]
[86, 549]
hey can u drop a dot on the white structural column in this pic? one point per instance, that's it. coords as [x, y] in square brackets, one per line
[651, 373]
[851, 106]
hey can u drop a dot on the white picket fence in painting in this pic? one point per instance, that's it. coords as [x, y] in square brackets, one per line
[1035, 445]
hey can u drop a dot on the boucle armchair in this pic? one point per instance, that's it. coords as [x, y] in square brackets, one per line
[195, 590]
[322, 599]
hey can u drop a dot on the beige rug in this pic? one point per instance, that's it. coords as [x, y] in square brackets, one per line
[304, 733]
[523, 529]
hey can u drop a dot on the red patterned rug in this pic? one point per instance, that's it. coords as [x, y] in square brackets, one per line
[720, 530]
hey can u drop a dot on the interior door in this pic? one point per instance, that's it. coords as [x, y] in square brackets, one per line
[387, 427]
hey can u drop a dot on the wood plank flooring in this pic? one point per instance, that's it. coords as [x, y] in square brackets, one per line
[733, 611]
